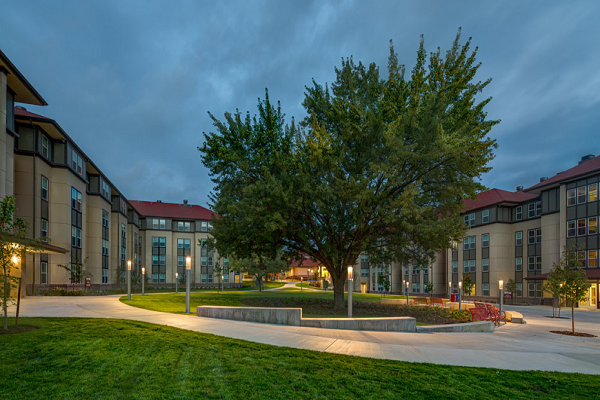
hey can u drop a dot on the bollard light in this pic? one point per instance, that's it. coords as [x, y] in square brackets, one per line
[176, 281]
[129, 280]
[350, 287]
[143, 280]
[460, 295]
[501, 284]
[188, 268]
[406, 292]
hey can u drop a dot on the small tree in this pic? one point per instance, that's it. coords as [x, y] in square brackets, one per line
[429, 286]
[218, 270]
[467, 284]
[77, 272]
[569, 280]
[384, 280]
[511, 286]
[13, 244]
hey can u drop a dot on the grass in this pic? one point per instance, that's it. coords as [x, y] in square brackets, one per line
[73, 358]
[314, 304]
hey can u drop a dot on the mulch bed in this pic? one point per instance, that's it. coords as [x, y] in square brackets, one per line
[18, 329]
[324, 309]
[570, 333]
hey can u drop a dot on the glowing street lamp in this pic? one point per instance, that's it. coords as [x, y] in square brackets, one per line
[449, 288]
[143, 280]
[406, 285]
[501, 287]
[176, 281]
[129, 280]
[350, 287]
[188, 269]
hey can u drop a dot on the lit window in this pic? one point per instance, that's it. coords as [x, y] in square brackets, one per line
[592, 258]
[593, 192]
[592, 225]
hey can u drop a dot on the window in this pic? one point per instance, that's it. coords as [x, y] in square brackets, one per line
[519, 238]
[538, 262]
[425, 270]
[180, 226]
[531, 210]
[485, 289]
[416, 288]
[204, 226]
[210, 227]
[162, 224]
[485, 216]
[581, 258]
[454, 245]
[45, 147]
[364, 265]
[187, 226]
[534, 236]
[162, 242]
[123, 253]
[592, 258]
[104, 247]
[519, 213]
[593, 192]
[455, 267]
[571, 229]
[485, 240]
[469, 243]
[405, 270]
[581, 194]
[592, 225]
[519, 264]
[43, 272]
[75, 199]
[162, 260]
[538, 235]
[468, 266]
[76, 237]
[44, 188]
[104, 189]
[538, 208]
[519, 290]
[104, 275]
[123, 232]
[77, 163]
[571, 197]
[581, 227]
[44, 228]
[535, 289]
[154, 223]
[531, 264]
[485, 265]
[105, 219]
[416, 270]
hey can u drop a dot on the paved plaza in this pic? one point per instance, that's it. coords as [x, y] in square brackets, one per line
[513, 346]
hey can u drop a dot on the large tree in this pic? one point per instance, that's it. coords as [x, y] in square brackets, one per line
[378, 166]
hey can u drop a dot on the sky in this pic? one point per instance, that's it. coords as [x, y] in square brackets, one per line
[132, 82]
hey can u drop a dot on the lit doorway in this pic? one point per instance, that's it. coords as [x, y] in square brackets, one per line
[363, 287]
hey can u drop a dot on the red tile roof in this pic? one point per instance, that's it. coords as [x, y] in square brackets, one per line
[581, 169]
[171, 210]
[497, 196]
[20, 112]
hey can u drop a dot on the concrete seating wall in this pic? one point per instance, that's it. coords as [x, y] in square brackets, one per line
[278, 316]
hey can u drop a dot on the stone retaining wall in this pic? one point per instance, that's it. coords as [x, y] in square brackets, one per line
[390, 324]
[278, 316]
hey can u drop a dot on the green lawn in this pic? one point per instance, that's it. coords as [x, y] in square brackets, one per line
[73, 358]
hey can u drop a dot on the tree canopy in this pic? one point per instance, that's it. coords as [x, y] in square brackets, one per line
[379, 165]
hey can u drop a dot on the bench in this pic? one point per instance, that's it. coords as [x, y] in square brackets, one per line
[420, 300]
[437, 302]
[479, 314]
[496, 315]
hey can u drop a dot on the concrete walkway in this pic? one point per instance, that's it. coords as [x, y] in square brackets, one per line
[512, 346]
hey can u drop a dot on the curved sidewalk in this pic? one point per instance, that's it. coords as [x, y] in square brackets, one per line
[512, 346]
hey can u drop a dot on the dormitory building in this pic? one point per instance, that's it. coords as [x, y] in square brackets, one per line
[66, 197]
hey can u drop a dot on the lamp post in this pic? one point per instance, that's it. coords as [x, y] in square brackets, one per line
[128, 280]
[501, 287]
[350, 287]
[460, 295]
[222, 284]
[449, 289]
[188, 268]
[406, 285]
[143, 280]
[176, 281]
[300, 282]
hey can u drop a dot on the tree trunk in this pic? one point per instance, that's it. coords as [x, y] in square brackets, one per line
[338, 292]
[259, 282]
[5, 304]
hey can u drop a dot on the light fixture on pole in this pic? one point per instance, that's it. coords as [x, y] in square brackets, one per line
[460, 295]
[176, 281]
[406, 284]
[501, 287]
[449, 288]
[129, 280]
[188, 268]
[143, 280]
[300, 283]
[222, 286]
[350, 287]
